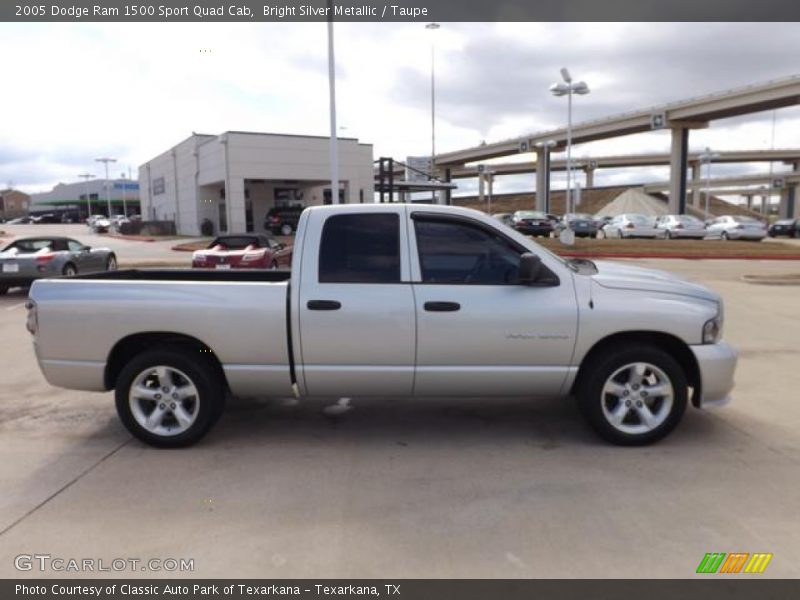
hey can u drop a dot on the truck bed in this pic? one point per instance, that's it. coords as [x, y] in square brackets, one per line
[221, 275]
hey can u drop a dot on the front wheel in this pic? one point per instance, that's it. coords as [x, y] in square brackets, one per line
[724, 236]
[168, 397]
[3, 290]
[69, 270]
[286, 229]
[111, 263]
[634, 396]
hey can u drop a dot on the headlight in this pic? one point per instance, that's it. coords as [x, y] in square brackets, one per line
[712, 330]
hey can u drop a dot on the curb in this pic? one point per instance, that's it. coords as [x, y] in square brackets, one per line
[132, 238]
[180, 248]
[767, 280]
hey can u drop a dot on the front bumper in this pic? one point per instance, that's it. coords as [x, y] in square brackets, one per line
[717, 363]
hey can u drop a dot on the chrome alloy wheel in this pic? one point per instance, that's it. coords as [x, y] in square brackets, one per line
[164, 401]
[637, 398]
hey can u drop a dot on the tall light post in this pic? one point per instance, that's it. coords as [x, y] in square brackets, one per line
[489, 175]
[547, 147]
[105, 161]
[433, 27]
[86, 177]
[124, 195]
[334, 139]
[706, 157]
[568, 88]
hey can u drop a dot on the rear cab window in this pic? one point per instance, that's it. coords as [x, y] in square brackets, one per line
[360, 248]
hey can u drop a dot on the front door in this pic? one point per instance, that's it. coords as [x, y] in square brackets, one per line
[479, 332]
[356, 307]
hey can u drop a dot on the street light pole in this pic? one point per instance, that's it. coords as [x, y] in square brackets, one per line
[124, 195]
[105, 161]
[706, 157]
[86, 177]
[433, 27]
[567, 88]
[334, 148]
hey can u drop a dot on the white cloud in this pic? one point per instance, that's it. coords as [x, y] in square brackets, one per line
[133, 90]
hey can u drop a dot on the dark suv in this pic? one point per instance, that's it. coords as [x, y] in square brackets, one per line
[282, 220]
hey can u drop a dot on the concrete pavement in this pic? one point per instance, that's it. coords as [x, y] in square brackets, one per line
[416, 488]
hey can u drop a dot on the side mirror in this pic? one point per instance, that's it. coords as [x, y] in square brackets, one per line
[86, 249]
[530, 267]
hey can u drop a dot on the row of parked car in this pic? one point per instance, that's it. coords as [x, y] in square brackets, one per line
[631, 225]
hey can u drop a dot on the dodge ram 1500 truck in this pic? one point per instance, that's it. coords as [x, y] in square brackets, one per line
[389, 299]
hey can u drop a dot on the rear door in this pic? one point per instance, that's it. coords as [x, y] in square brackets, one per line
[356, 305]
[479, 332]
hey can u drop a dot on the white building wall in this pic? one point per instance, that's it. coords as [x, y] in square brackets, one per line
[194, 171]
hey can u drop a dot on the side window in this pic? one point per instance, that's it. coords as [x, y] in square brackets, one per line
[58, 246]
[74, 246]
[455, 252]
[360, 248]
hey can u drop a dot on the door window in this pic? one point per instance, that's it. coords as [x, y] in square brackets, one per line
[74, 246]
[456, 252]
[360, 248]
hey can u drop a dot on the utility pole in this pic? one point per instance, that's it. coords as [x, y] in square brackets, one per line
[86, 177]
[105, 161]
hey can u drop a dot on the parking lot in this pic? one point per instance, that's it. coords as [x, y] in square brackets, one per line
[415, 488]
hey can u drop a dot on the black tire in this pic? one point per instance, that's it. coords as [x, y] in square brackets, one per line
[69, 270]
[206, 406]
[601, 368]
[274, 265]
[724, 236]
[667, 235]
[111, 263]
[286, 229]
[3, 290]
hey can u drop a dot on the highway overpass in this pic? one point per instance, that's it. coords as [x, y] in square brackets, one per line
[679, 117]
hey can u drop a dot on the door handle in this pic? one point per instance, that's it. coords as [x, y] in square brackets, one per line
[442, 306]
[324, 305]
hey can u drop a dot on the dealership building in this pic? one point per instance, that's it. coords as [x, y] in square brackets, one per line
[235, 178]
[92, 196]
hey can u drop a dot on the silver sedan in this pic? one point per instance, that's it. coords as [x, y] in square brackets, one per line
[27, 259]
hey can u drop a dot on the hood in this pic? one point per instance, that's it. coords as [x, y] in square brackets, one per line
[626, 277]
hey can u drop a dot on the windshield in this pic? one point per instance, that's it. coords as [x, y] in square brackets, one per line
[239, 242]
[750, 220]
[530, 214]
[28, 246]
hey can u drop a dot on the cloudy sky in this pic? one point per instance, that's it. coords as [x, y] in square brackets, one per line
[73, 92]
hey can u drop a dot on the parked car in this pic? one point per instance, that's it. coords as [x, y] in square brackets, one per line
[91, 220]
[505, 218]
[20, 221]
[532, 222]
[632, 226]
[582, 224]
[27, 259]
[46, 219]
[397, 299]
[681, 226]
[282, 220]
[737, 227]
[243, 251]
[787, 227]
[101, 225]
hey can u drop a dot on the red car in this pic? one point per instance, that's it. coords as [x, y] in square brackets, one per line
[243, 251]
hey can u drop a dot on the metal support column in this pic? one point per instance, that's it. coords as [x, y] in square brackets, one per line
[677, 170]
[542, 176]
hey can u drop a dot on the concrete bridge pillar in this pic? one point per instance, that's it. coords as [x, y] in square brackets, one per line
[697, 175]
[679, 152]
[787, 208]
[542, 178]
[481, 187]
[788, 204]
[589, 177]
[748, 198]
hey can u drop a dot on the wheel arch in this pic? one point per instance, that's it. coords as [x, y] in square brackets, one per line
[133, 345]
[673, 345]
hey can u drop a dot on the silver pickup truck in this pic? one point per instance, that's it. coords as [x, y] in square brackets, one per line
[389, 299]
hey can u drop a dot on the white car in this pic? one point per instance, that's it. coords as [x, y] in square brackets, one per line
[632, 226]
[737, 227]
[681, 226]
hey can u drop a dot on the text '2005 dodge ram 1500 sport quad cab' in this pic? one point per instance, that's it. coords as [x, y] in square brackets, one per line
[389, 299]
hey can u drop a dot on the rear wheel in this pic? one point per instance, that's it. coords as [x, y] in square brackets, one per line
[3, 290]
[168, 397]
[286, 229]
[724, 235]
[634, 396]
[111, 263]
[668, 235]
[274, 265]
[69, 270]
